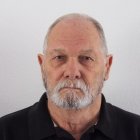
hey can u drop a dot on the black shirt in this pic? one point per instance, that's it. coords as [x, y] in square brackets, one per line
[34, 123]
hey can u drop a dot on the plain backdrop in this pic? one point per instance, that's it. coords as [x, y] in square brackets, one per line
[23, 25]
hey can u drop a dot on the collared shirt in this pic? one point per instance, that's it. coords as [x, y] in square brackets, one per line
[35, 123]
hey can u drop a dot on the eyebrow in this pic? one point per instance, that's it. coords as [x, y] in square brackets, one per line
[87, 51]
[59, 50]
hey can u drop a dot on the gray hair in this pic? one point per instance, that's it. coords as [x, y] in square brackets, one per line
[82, 16]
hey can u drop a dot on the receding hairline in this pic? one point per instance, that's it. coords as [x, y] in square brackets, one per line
[85, 17]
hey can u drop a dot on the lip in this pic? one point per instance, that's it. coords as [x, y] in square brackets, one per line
[69, 88]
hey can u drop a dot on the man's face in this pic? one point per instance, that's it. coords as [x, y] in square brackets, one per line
[74, 66]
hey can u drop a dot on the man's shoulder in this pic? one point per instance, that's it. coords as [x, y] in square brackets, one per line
[125, 117]
[14, 125]
[15, 118]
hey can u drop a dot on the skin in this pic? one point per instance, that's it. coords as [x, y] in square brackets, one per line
[75, 52]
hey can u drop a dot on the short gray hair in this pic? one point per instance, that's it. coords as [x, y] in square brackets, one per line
[82, 16]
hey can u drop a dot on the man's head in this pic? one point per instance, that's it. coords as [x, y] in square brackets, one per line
[75, 62]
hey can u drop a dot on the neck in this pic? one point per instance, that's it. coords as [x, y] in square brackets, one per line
[76, 122]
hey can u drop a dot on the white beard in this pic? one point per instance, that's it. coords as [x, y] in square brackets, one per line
[71, 100]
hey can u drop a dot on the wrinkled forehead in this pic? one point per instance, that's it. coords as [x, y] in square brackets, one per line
[73, 30]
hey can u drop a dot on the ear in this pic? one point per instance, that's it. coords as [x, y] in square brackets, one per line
[109, 60]
[40, 59]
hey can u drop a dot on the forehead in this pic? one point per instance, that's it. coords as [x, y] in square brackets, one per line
[74, 33]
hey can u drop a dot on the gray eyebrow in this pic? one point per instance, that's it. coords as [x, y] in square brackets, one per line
[60, 50]
[56, 50]
[87, 51]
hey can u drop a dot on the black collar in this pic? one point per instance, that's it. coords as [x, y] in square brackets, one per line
[107, 123]
[41, 125]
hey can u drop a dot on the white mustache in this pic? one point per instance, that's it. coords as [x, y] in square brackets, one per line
[77, 84]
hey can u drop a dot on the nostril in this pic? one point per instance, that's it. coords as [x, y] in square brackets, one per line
[72, 77]
[67, 76]
[77, 77]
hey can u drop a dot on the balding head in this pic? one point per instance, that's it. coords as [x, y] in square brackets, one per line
[76, 24]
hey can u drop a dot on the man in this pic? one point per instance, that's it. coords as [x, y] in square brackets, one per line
[74, 65]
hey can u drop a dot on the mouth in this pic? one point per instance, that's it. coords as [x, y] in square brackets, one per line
[70, 88]
[66, 90]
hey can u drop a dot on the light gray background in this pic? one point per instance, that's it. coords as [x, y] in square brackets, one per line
[23, 25]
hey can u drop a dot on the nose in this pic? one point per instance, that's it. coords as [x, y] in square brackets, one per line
[72, 69]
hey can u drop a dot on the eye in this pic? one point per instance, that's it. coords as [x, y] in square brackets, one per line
[60, 57]
[86, 59]
[58, 60]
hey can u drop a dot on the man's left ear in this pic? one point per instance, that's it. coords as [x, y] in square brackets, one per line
[109, 59]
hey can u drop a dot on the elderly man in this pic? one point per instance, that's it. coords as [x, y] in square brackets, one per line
[74, 65]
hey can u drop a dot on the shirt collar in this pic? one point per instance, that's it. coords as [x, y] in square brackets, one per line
[41, 125]
[107, 123]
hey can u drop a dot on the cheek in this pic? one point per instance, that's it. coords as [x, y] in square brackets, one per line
[94, 76]
[52, 76]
